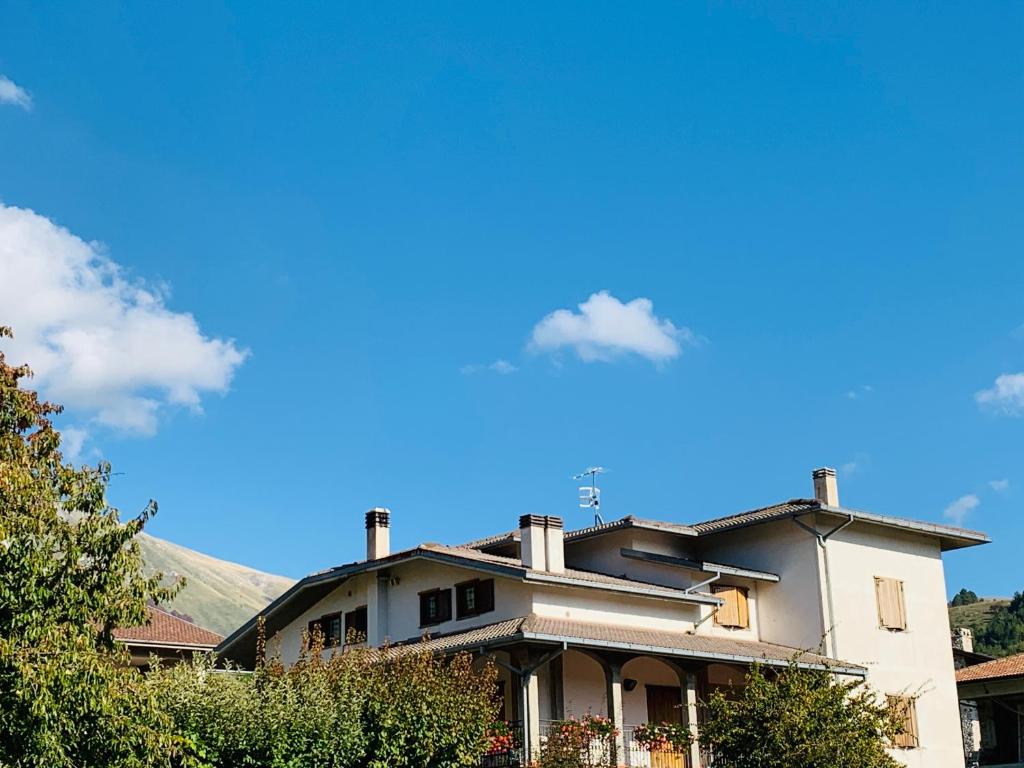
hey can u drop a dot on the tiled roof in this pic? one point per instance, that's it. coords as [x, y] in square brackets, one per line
[764, 514]
[708, 647]
[629, 521]
[1011, 666]
[489, 541]
[574, 574]
[165, 629]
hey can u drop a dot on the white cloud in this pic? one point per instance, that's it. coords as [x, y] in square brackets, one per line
[10, 93]
[1005, 396]
[957, 511]
[999, 485]
[100, 343]
[849, 468]
[605, 329]
[504, 367]
[72, 440]
[863, 390]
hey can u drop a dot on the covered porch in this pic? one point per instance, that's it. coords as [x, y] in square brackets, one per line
[552, 670]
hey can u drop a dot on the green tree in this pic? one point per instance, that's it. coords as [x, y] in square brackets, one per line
[964, 597]
[70, 572]
[1004, 633]
[798, 718]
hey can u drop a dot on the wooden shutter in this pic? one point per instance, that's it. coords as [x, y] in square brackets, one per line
[734, 612]
[444, 605]
[355, 625]
[905, 710]
[892, 610]
[485, 596]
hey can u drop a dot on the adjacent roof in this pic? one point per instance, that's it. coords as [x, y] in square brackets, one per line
[997, 669]
[585, 634]
[164, 629]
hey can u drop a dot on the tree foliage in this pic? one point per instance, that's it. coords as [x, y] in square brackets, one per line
[798, 718]
[354, 709]
[964, 597]
[1004, 633]
[69, 573]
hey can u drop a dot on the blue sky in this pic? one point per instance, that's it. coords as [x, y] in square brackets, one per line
[330, 221]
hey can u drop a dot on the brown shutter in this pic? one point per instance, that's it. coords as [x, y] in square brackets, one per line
[905, 710]
[892, 610]
[734, 612]
[485, 596]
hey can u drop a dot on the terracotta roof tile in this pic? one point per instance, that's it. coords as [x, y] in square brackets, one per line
[1011, 666]
[585, 633]
[166, 629]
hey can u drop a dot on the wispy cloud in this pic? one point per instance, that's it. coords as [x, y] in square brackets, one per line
[11, 93]
[104, 345]
[1005, 396]
[999, 485]
[957, 512]
[862, 391]
[503, 367]
[605, 329]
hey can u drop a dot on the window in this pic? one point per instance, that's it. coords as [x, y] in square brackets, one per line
[892, 609]
[355, 625]
[435, 606]
[905, 710]
[474, 597]
[329, 628]
[734, 612]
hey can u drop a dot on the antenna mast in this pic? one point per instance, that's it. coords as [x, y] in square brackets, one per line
[590, 495]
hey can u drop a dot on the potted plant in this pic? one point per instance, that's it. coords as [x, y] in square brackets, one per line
[667, 743]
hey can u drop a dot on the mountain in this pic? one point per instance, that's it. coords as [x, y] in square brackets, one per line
[218, 595]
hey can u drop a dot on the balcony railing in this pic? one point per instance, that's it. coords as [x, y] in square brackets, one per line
[597, 754]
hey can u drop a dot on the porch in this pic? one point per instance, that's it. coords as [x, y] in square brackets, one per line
[553, 670]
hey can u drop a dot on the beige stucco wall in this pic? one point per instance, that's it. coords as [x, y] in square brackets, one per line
[600, 607]
[604, 554]
[287, 643]
[916, 661]
[790, 612]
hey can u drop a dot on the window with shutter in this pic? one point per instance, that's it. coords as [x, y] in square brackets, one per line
[734, 611]
[435, 607]
[355, 626]
[892, 609]
[474, 597]
[905, 710]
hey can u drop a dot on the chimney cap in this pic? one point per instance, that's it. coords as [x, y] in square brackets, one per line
[378, 517]
[529, 521]
[823, 472]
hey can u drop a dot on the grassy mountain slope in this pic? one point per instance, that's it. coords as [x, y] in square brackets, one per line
[219, 595]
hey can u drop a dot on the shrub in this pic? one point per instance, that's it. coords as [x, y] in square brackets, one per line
[799, 718]
[401, 708]
[663, 737]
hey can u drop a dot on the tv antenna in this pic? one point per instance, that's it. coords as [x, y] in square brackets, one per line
[590, 495]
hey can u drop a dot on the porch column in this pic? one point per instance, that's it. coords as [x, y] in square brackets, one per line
[530, 711]
[690, 702]
[613, 688]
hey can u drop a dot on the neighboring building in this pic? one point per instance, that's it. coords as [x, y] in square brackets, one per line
[637, 619]
[991, 705]
[166, 636]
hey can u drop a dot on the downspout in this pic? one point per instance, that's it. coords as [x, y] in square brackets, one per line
[822, 539]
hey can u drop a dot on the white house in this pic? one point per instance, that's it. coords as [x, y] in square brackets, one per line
[637, 619]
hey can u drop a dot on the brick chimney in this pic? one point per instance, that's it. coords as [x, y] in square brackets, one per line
[378, 533]
[554, 544]
[533, 541]
[825, 488]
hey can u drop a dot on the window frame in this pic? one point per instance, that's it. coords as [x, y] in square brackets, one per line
[483, 598]
[444, 605]
[323, 622]
[742, 606]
